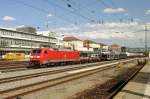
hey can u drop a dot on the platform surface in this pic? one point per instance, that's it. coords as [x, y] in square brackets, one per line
[138, 87]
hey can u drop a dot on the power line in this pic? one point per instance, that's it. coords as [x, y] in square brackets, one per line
[113, 5]
[85, 7]
[92, 11]
[105, 5]
[42, 10]
[69, 6]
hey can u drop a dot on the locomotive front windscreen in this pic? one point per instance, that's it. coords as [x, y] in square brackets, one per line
[36, 51]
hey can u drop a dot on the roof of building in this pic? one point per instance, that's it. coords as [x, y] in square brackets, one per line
[115, 45]
[71, 38]
[89, 41]
[102, 44]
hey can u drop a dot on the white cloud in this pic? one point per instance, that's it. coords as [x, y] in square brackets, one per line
[147, 12]
[113, 10]
[125, 33]
[8, 18]
[49, 15]
[109, 32]
[20, 26]
[108, 35]
[111, 25]
[126, 14]
[137, 19]
[130, 34]
[66, 30]
[70, 28]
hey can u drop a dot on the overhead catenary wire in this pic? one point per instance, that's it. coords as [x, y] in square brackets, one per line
[54, 4]
[42, 10]
[45, 11]
[70, 6]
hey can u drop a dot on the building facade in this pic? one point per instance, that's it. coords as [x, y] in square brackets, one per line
[104, 46]
[12, 40]
[115, 48]
[83, 45]
[92, 45]
[74, 43]
[58, 36]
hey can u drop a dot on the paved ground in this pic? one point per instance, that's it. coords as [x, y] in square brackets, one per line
[138, 87]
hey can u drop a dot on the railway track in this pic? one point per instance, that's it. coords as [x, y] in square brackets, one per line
[11, 66]
[12, 62]
[30, 75]
[49, 79]
[52, 71]
[8, 66]
[110, 88]
[122, 81]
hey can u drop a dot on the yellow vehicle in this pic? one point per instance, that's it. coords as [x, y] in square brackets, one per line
[14, 56]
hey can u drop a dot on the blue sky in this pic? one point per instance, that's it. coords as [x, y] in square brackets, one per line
[82, 17]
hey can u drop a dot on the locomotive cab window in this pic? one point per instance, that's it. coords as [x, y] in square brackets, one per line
[36, 51]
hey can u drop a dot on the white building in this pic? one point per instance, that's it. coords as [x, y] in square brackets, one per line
[105, 47]
[75, 44]
[12, 40]
[58, 36]
[91, 45]
[115, 48]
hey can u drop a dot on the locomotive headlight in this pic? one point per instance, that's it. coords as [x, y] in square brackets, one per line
[31, 56]
[34, 56]
[37, 56]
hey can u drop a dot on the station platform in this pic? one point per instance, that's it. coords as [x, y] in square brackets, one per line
[138, 87]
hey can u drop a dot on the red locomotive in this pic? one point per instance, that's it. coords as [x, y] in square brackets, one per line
[47, 56]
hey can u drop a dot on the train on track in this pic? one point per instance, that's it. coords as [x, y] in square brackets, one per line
[47, 56]
[13, 56]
